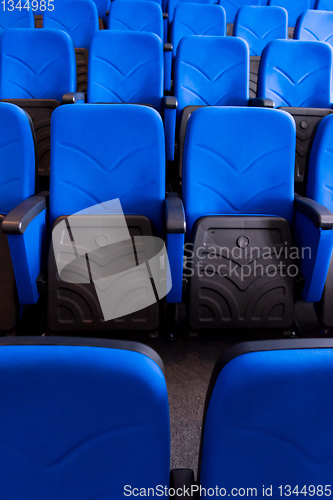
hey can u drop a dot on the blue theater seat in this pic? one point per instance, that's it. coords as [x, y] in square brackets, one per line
[267, 420]
[172, 4]
[103, 12]
[258, 26]
[100, 153]
[16, 19]
[297, 76]
[105, 418]
[144, 16]
[232, 7]
[126, 67]
[238, 194]
[197, 19]
[319, 188]
[315, 25]
[17, 183]
[294, 9]
[37, 69]
[78, 18]
[324, 5]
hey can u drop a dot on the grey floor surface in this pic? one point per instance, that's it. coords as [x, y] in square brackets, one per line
[188, 367]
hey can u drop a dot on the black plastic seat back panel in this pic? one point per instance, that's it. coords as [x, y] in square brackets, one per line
[9, 309]
[81, 69]
[221, 295]
[254, 72]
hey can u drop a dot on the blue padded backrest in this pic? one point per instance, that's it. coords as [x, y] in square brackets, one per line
[259, 25]
[211, 70]
[239, 161]
[144, 16]
[320, 174]
[159, 2]
[78, 18]
[294, 8]
[315, 25]
[269, 422]
[16, 19]
[197, 19]
[102, 152]
[296, 73]
[81, 422]
[17, 157]
[126, 66]
[173, 4]
[102, 7]
[36, 64]
[324, 5]
[232, 7]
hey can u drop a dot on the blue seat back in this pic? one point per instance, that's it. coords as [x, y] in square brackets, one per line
[102, 152]
[294, 8]
[82, 419]
[172, 4]
[324, 5]
[320, 173]
[16, 19]
[296, 73]
[159, 2]
[197, 19]
[17, 153]
[36, 64]
[143, 16]
[315, 25]
[126, 67]
[78, 18]
[259, 25]
[269, 418]
[239, 161]
[212, 71]
[103, 7]
[232, 7]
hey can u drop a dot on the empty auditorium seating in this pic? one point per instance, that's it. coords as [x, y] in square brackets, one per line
[315, 25]
[303, 89]
[17, 183]
[238, 194]
[320, 189]
[231, 8]
[126, 67]
[16, 19]
[37, 68]
[258, 26]
[261, 423]
[78, 18]
[105, 418]
[197, 19]
[294, 9]
[324, 5]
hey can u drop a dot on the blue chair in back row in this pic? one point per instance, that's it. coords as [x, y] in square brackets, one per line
[315, 25]
[232, 7]
[294, 9]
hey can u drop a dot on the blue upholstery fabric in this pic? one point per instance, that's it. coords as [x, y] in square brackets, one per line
[260, 25]
[78, 18]
[102, 152]
[324, 5]
[238, 161]
[197, 19]
[269, 421]
[126, 67]
[296, 73]
[17, 152]
[315, 25]
[16, 19]
[294, 8]
[36, 64]
[102, 8]
[144, 16]
[211, 71]
[173, 4]
[232, 7]
[81, 422]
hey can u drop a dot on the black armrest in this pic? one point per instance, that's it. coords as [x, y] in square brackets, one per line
[182, 481]
[73, 97]
[170, 102]
[259, 102]
[17, 221]
[175, 221]
[321, 216]
[168, 47]
[165, 15]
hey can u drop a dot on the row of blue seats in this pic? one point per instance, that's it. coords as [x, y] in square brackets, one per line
[105, 431]
[237, 193]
